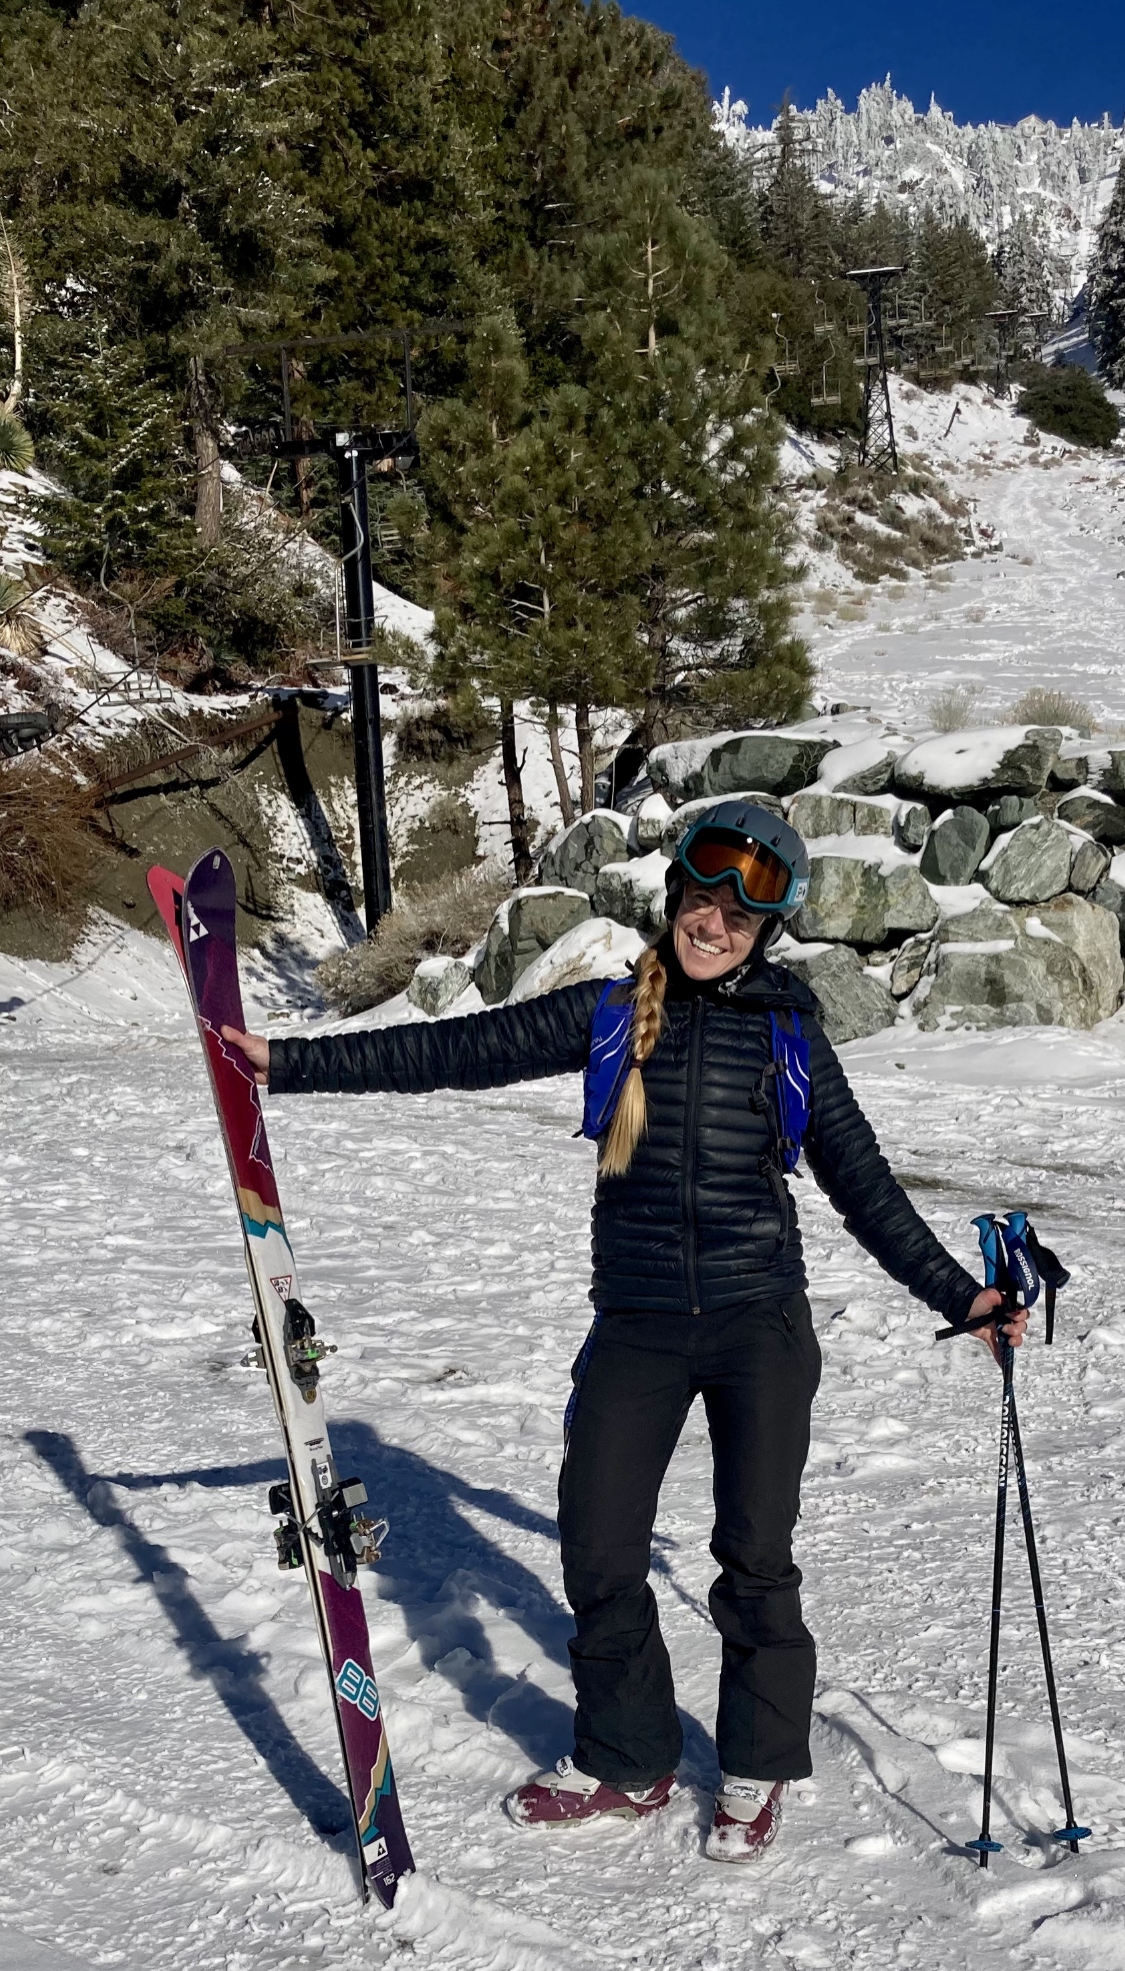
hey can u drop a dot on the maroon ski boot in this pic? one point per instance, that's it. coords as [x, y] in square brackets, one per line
[568, 1798]
[747, 1816]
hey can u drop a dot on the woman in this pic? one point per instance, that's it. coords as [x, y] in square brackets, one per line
[700, 1289]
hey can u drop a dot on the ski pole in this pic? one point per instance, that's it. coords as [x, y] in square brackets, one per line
[1071, 1834]
[984, 1845]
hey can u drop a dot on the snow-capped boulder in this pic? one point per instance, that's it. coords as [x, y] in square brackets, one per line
[633, 893]
[855, 902]
[854, 1003]
[574, 857]
[1095, 813]
[437, 982]
[724, 763]
[1057, 965]
[678, 823]
[525, 926]
[1029, 865]
[1003, 759]
[867, 767]
[649, 823]
[598, 949]
[1088, 865]
[956, 846]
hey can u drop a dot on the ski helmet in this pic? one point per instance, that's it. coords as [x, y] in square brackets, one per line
[735, 842]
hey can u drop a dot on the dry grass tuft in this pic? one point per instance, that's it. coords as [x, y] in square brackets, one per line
[428, 920]
[1038, 706]
[954, 708]
[46, 848]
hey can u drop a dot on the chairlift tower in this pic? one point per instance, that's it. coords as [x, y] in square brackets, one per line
[1004, 320]
[355, 453]
[877, 449]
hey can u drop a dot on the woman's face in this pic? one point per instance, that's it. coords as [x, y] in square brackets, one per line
[712, 932]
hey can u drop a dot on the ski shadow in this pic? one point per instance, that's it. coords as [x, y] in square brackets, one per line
[439, 1566]
[236, 1673]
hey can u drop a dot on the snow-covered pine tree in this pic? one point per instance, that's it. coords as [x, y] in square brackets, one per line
[1107, 288]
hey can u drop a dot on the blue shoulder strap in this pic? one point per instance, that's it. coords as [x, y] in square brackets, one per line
[610, 1059]
[792, 1086]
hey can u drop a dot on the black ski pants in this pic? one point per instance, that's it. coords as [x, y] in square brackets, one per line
[757, 1369]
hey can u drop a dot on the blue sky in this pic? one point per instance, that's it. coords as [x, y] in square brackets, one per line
[988, 59]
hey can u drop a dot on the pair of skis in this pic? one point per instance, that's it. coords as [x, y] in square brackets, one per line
[324, 1527]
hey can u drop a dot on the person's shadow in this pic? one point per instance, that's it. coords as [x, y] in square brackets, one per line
[440, 1569]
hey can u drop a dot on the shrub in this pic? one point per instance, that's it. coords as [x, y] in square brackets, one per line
[20, 631]
[428, 920]
[45, 844]
[1071, 404]
[1038, 706]
[441, 731]
[954, 708]
[16, 449]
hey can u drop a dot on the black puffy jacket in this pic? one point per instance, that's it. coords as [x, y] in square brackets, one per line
[700, 1220]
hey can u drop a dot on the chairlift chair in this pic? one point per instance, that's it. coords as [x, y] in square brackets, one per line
[822, 326]
[787, 365]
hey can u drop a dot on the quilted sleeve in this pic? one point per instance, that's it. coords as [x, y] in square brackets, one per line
[544, 1036]
[848, 1164]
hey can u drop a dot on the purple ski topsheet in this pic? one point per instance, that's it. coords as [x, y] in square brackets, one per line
[210, 960]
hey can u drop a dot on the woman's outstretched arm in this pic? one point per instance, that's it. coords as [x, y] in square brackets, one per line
[544, 1036]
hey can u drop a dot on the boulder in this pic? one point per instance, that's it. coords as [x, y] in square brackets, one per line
[778, 762]
[1092, 935]
[853, 1002]
[1002, 759]
[1007, 813]
[909, 962]
[598, 949]
[1053, 966]
[649, 823]
[867, 767]
[855, 902]
[525, 925]
[633, 893]
[1088, 864]
[678, 823]
[873, 818]
[574, 858]
[1095, 814]
[1110, 896]
[911, 822]
[957, 844]
[1030, 865]
[816, 813]
[437, 982]
[1112, 777]
[1070, 770]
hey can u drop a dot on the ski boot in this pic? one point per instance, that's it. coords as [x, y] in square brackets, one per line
[747, 1816]
[568, 1798]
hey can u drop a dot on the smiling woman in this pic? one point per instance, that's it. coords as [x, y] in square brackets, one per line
[699, 1283]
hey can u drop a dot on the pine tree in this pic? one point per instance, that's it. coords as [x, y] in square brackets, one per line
[1106, 305]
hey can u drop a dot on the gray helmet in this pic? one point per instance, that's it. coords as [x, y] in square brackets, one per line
[757, 852]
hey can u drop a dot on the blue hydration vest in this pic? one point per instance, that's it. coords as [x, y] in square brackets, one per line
[611, 1059]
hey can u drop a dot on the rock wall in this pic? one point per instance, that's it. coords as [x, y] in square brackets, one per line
[966, 880]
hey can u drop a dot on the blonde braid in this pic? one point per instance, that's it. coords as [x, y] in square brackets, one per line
[630, 1118]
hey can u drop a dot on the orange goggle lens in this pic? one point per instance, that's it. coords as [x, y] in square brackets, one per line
[757, 871]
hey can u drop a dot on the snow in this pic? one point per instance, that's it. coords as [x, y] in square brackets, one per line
[167, 1723]
[960, 760]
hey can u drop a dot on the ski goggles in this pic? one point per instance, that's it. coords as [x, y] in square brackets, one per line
[762, 879]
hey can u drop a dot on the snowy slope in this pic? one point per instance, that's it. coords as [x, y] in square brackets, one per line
[986, 173]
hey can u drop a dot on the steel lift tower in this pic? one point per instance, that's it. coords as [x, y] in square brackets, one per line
[877, 449]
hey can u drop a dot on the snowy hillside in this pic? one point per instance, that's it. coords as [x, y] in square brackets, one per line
[986, 173]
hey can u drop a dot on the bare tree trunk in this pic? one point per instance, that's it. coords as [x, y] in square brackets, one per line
[513, 781]
[205, 438]
[303, 427]
[561, 781]
[585, 756]
[13, 277]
